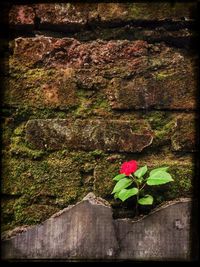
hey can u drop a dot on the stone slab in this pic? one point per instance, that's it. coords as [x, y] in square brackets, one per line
[163, 235]
[106, 135]
[88, 231]
[83, 231]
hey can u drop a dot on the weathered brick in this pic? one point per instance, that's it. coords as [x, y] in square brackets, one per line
[79, 14]
[73, 14]
[22, 15]
[106, 135]
[68, 52]
[143, 11]
[41, 88]
[141, 75]
[28, 51]
[163, 84]
[184, 134]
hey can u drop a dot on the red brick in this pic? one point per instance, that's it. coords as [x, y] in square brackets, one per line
[21, 15]
[68, 52]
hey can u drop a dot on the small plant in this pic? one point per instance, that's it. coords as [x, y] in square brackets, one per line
[131, 175]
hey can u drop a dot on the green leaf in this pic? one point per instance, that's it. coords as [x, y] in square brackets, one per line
[121, 184]
[126, 193]
[141, 171]
[119, 177]
[158, 169]
[146, 200]
[159, 177]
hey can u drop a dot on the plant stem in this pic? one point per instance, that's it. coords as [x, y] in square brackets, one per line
[142, 187]
[136, 207]
[138, 187]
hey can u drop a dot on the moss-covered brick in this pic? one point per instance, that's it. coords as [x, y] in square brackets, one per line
[116, 88]
[162, 124]
[184, 133]
[144, 11]
[103, 174]
[74, 16]
[41, 88]
[7, 212]
[90, 79]
[162, 87]
[59, 178]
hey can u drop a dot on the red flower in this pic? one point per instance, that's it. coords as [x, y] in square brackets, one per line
[128, 167]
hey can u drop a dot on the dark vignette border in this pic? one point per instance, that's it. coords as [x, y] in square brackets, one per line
[195, 44]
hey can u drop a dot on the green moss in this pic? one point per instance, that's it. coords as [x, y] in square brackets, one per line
[7, 208]
[97, 153]
[183, 181]
[33, 214]
[6, 134]
[19, 130]
[47, 177]
[20, 150]
[104, 172]
[18, 146]
[40, 88]
[157, 11]
[163, 136]
[158, 119]
[91, 104]
[58, 181]
[182, 173]
[49, 185]
[24, 113]
[162, 123]
[134, 10]
[163, 75]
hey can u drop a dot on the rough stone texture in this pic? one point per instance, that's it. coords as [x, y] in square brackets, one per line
[106, 135]
[20, 15]
[51, 182]
[184, 135]
[160, 83]
[76, 15]
[161, 90]
[69, 52]
[87, 231]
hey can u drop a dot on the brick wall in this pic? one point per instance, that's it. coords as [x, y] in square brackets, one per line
[90, 86]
